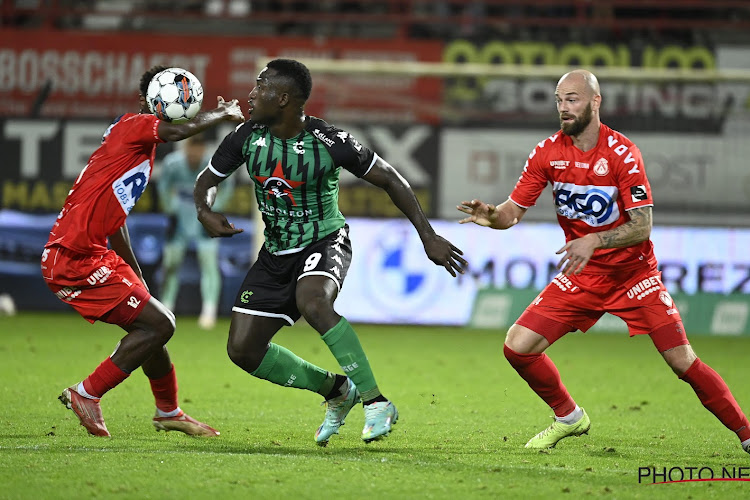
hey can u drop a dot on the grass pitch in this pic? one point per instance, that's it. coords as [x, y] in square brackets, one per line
[465, 416]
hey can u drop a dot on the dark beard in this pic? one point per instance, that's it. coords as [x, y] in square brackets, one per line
[579, 124]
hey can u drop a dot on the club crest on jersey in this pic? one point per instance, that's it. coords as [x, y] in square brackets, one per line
[277, 186]
[665, 298]
[601, 167]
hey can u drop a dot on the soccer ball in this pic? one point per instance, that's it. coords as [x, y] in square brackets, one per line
[174, 95]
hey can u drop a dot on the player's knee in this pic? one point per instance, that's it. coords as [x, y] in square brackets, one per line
[680, 359]
[316, 309]
[164, 327]
[244, 358]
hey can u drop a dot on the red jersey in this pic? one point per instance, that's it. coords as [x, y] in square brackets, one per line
[109, 186]
[592, 191]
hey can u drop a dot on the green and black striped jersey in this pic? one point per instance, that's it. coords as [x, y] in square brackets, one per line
[296, 180]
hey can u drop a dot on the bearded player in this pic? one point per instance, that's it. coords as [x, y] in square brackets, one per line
[603, 202]
[107, 284]
[294, 161]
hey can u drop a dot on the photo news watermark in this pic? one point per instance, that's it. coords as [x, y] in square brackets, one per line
[666, 475]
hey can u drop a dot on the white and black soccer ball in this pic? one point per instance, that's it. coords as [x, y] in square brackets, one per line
[174, 95]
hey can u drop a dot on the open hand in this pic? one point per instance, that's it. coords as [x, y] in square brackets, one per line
[478, 212]
[577, 252]
[443, 253]
[233, 108]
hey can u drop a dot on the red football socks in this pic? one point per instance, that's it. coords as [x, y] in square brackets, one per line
[717, 398]
[542, 376]
[165, 391]
[106, 376]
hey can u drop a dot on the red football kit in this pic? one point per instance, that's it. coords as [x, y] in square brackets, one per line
[592, 192]
[76, 263]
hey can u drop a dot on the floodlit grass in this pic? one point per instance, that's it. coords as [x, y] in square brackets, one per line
[465, 416]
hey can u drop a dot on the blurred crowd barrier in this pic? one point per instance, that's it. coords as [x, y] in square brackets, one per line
[390, 280]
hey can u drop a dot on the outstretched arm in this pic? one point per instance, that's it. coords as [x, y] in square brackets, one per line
[578, 252]
[224, 111]
[204, 193]
[438, 249]
[502, 216]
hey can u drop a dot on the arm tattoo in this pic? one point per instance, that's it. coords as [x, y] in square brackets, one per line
[635, 231]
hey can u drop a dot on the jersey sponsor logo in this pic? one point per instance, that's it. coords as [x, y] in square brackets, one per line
[594, 205]
[271, 210]
[601, 167]
[99, 276]
[68, 293]
[130, 186]
[638, 193]
[563, 283]
[646, 287]
[559, 164]
[343, 135]
[133, 302]
[279, 187]
[298, 147]
[260, 142]
[580, 164]
[323, 138]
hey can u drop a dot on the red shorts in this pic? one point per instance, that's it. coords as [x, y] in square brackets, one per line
[99, 287]
[572, 303]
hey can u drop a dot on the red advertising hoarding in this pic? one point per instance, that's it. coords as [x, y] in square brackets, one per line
[96, 75]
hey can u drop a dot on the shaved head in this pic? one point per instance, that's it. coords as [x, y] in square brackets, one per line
[583, 81]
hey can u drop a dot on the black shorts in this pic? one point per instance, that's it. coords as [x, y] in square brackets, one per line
[270, 284]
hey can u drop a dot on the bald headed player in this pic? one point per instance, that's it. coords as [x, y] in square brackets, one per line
[603, 203]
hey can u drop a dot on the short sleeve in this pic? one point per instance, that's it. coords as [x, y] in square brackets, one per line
[344, 149]
[632, 181]
[230, 155]
[532, 182]
[141, 129]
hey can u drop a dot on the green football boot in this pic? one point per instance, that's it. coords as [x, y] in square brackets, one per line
[549, 437]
